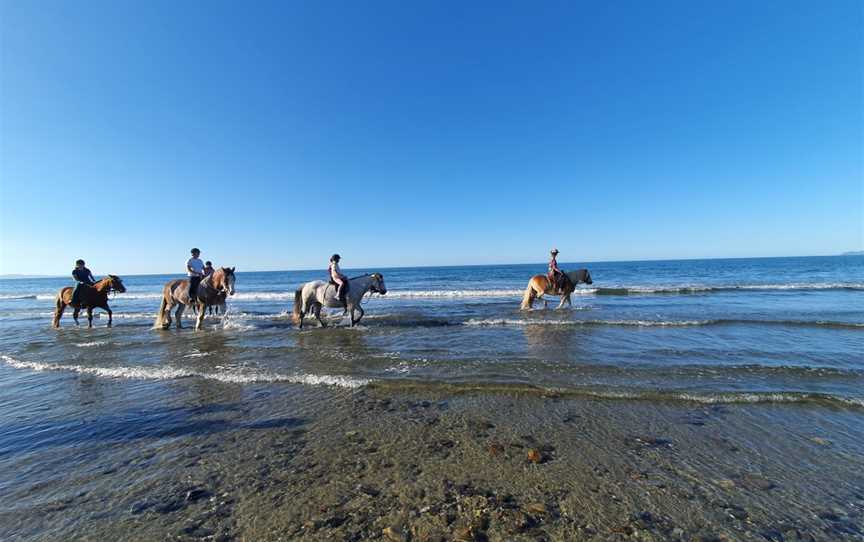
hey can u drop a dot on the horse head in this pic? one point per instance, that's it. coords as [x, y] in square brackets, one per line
[378, 285]
[583, 276]
[116, 284]
[227, 280]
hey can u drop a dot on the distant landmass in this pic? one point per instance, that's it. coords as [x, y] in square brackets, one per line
[853, 253]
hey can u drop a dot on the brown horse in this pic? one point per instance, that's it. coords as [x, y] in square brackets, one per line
[540, 284]
[94, 297]
[211, 292]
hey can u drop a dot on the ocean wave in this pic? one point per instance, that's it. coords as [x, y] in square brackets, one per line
[173, 373]
[648, 289]
[698, 289]
[343, 381]
[397, 294]
[91, 344]
[660, 323]
[533, 322]
[654, 395]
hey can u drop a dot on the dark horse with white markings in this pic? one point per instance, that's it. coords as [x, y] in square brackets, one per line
[540, 284]
[211, 292]
[92, 297]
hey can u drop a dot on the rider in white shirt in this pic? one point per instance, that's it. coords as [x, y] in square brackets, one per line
[195, 271]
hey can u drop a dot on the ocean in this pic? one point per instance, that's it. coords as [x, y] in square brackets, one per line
[714, 331]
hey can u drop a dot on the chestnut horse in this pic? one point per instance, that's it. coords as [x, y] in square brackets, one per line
[94, 297]
[540, 284]
[211, 292]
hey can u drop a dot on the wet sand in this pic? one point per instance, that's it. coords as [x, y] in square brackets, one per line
[288, 462]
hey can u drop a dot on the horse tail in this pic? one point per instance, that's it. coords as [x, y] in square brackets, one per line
[161, 315]
[528, 298]
[297, 312]
[59, 307]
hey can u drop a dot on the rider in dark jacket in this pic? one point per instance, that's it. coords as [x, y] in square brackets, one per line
[83, 279]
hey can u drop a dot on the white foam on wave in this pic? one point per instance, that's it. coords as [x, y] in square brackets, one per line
[197, 355]
[172, 373]
[694, 288]
[17, 296]
[91, 344]
[530, 322]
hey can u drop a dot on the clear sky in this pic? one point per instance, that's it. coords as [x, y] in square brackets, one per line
[271, 135]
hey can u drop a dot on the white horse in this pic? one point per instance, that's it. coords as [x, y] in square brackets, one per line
[315, 295]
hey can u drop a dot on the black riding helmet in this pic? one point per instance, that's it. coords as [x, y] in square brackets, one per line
[79, 262]
[335, 258]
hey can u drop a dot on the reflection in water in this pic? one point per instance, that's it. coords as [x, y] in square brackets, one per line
[557, 342]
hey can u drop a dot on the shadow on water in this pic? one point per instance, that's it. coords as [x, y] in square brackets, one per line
[17, 438]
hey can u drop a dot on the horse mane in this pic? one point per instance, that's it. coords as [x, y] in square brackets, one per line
[370, 275]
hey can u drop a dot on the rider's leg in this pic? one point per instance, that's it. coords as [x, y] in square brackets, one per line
[76, 293]
[340, 289]
[193, 288]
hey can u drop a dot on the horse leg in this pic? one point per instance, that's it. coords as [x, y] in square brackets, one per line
[167, 314]
[89, 316]
[362, 312]
[110, 314]
[202, 311]
[75, 313]
[317, 310]
[58, 312]
[179, 315]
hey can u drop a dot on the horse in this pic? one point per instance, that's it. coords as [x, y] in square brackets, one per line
[94, 297]
[315, 295]
[211, 292]
[540, 284]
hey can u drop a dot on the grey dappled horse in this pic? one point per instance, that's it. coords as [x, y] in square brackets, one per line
[315, 295]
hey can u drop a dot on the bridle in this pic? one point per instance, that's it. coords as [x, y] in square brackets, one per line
[112, 289]
[373, 289]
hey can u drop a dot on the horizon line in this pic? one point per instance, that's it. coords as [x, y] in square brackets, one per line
[12, 276]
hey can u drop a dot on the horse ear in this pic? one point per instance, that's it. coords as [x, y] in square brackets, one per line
[232, 269]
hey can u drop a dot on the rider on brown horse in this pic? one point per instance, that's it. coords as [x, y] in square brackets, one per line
[195, 272]
[83, 279]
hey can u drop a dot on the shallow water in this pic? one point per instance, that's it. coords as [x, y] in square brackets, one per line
[745, 330]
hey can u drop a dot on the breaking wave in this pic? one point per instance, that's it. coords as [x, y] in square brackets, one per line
[658, 323]
[173, 373]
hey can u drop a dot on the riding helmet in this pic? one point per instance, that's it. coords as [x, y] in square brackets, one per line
[335, 258]
[554, 251]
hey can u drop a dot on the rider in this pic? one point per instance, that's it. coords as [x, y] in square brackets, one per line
[208, 268]
[83, 277]
[555, 273]
[337, 278]
[195, 272]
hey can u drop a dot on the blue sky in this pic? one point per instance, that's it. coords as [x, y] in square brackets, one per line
[426, 133]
